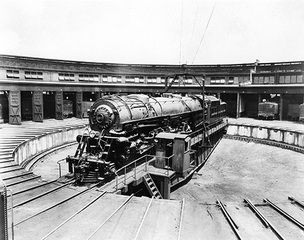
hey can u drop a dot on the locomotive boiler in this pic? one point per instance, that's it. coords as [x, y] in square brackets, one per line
[122, 128]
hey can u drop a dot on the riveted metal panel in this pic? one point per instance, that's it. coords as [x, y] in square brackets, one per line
[79, 104]
[14, 100]
[37, 100]
[59, 105]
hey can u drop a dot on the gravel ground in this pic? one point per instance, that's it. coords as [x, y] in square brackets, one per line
[238, 170]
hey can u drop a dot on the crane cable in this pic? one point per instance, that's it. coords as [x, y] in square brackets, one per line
[194, 25]
[204, 33]
[181, 37]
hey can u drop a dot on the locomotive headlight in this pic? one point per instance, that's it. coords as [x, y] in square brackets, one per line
[93, 134]
[100, 117]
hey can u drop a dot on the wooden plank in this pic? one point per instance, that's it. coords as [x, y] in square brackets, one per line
[79, 104]
[37, 101]
[14, 99]
[59, 105]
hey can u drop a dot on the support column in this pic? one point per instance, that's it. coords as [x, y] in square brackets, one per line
[259, 98]
[166, 190]
[79, 98]
[59, 105]
[14, 102]
[281, 107]
[238, 105]
[37, 101]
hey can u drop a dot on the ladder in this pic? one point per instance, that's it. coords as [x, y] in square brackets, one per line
[81, 145]
[150, 184]
[106, 150]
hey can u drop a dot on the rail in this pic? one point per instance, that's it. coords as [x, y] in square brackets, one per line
[263, 219]
[52, 206]
[296, 201]
[75, 214]
[257, 212]
[144, 218]
[123, 204]
[285, 214]
[230, 220]
[144, 161]
[181, 219]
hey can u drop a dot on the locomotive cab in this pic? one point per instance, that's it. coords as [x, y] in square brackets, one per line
[173, 152]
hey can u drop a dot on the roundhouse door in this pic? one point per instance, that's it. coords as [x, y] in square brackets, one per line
[37, 106]
[79, 104]
[59, 105]
[14, 101]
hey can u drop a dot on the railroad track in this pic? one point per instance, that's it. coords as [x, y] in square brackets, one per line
[11, 136]
[25, 186]
[127, 217]
[281, 224]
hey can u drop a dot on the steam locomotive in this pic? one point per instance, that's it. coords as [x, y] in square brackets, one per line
[122, 128]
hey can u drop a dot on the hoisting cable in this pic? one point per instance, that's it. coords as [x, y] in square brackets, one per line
[194, 25]
[204, 33]
[181, 37]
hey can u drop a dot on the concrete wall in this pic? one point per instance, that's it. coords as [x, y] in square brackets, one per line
[42, 143]
[289, 137]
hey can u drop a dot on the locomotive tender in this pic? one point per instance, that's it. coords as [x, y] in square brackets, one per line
[123, 128]
[268, 110]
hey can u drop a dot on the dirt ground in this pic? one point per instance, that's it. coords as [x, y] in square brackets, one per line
[48, 168]
[238, 170]
[235, 170]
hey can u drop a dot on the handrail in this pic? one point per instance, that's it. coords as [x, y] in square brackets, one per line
[135, 164]
[136, 160]
[58, 162]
